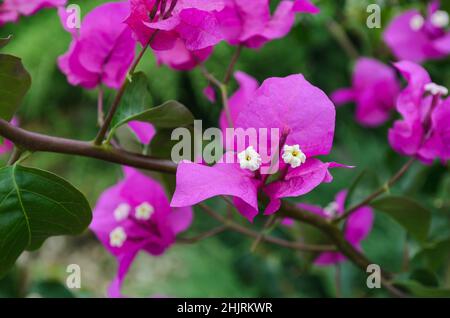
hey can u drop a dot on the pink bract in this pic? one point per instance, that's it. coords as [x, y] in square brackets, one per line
[182, 37]
[103, 50]
[250, 23]
[11, 10]
[374, 91]
[152, 234]
[412, 36]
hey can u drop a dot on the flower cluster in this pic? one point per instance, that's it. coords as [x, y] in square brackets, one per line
[415, 37]
[133, 216]
[423, 132]
[102, 51]
[374, 90]
[305, 117]
[11, 10]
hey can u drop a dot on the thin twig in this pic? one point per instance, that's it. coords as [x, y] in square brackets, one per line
[232, 64]
[15, 155]
[203, 236]
[100, 113]
[341, 37]
[270, 239]
[378, 192]
[223, 93]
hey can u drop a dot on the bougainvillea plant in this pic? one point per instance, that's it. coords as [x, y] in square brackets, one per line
[276, 137]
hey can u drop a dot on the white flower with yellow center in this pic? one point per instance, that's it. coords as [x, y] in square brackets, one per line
[249, 159]
[122, 211]
[440, 19]
[144, 211]
[331, 210]
[293, 155]
[435, 89]
[117, 237]
[416, 23]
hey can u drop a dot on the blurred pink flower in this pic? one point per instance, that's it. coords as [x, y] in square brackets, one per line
[306, 118]
[11, 10]
[133, 216]
[374, 90]
[357, 227]
[7, 145]
[143, 131]
[423, 132]
[183, 36]
[103, 50]
[416, 38]
[250, 23]
[180, 58]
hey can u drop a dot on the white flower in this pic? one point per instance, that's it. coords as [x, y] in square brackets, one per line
[293, 156]
[332, 209]
[440, 19]
[435, 89]
[122, 211]
[249, 159]
[144, 211]
[117, 237]
[416, 23]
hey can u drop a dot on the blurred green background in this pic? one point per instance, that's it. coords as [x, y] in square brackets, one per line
[224, 266]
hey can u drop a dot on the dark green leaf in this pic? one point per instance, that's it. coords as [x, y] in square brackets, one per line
[4, 41]
[353, 186]
[14, 84]
[135, 100]
[171, 114]
[50, 289]
[434, 255]
[411, 215]
[425, 277]
[419, 290]
[34, 205]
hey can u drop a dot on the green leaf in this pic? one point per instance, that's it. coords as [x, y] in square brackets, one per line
[425, 277]
[50, 289]
[434, 255]
[171, 114]
[411, 215]
[135, 100]
[352, 188]
[4, 41]
[417, 289]
[34, 205]
[14, 84]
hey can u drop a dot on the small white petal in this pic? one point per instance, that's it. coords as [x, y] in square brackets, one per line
[249, 159]
[435, 89]
[117, 237]
[122, 211]
[332, 209]
[293, 156]
[416, 23]
[144, 211]
[440, 19]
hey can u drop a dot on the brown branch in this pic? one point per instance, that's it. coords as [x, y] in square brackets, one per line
[37, 142]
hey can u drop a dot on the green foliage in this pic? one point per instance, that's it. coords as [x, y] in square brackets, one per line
[411, 215]
[14, 84]
[4, 41]
[35, 205]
